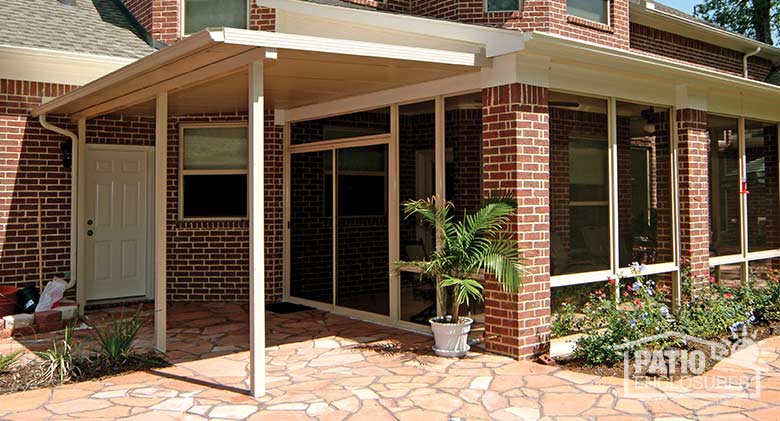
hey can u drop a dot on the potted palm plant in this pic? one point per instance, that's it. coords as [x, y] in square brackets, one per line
[467, 248]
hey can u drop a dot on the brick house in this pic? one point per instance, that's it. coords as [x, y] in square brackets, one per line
[260, 149]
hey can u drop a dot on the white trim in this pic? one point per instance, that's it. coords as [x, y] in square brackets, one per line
[81, 207]
[54, 66]
[545, 43]
[497, 41]
[337, 46]
[256, 185]
[764, 254]
[160, 221]
[726, 260]
[579, 278]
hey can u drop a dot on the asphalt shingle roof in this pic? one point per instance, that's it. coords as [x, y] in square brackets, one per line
[89, 26]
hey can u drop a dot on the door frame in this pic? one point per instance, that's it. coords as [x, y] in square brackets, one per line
[81, 250]
[333, 146]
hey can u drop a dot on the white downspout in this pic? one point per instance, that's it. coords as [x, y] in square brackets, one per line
[745, 61]
[73, 193]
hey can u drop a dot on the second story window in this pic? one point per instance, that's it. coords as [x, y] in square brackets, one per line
[502, 5]
[593, 10]
[200, 14]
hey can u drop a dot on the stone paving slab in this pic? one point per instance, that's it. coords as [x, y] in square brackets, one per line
[326, 367]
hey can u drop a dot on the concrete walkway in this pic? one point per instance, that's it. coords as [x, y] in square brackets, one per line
[322, 366]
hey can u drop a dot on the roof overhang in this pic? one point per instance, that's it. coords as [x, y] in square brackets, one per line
[563, 49]
[205, 73]
[496, 41]
[55, 66]
[645, 13]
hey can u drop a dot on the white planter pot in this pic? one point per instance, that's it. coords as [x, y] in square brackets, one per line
[451, 339]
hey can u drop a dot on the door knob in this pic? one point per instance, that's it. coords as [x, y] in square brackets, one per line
[89, 233]
[89, 222]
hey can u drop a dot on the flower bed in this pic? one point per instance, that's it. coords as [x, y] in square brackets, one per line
[634, 309]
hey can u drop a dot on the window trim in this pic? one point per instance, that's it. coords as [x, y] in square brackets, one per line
[607, 25]
[745, 256]
[520, 4]
[182, 17]
[183, 172]
[615, 269]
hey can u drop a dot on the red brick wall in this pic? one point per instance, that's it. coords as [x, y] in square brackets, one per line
[142, 10]
[536, 15]
[162, 17]
[31, 167]
[516, 159]
[678, 48]
[694, 190]
[207, 260]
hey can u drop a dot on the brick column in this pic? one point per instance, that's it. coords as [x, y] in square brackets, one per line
[516, 150]
[694, 191]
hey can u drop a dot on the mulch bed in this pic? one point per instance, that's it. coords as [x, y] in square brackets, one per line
[760, 330]
[21, 377]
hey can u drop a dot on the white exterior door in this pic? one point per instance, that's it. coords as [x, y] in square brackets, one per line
[117, 222]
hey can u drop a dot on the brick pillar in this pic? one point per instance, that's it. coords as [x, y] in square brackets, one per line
[694, 191]
[516, 148]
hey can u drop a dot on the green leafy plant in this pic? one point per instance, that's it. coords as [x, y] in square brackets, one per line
[8, 360]
[622, 312]
[116, 338]
[57, 362]
[565, 321]
[474, 244]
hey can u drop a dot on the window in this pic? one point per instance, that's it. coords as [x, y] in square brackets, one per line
[200, 14]
[594, 10]
[502, 5]
[579, 184]
[214, 172]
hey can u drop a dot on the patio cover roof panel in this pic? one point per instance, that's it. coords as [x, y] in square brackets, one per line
[205, 73]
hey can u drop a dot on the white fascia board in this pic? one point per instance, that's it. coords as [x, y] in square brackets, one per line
[496, 41]
[347, 47]
[54, 66]
[546, 43]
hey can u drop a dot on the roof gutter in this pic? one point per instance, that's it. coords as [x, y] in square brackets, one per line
[546, 43]
[73, 193]
[745, 61]
[650, 8]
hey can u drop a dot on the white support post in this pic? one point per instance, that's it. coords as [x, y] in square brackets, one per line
[160, 216]
[79, 183]
[256, 186]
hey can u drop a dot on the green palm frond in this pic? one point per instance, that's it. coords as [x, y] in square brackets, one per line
[465, 289]
[467, 246]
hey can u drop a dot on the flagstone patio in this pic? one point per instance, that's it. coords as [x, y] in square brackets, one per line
[328, 367]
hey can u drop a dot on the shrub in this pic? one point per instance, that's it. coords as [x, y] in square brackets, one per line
[116, 338]
[7, 361]
[565, 321]
[613, 318]
[712, 310]
[57, 362]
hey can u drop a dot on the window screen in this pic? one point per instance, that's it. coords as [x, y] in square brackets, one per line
[595, 10]
[502, 5]
[214, 172]
[200, 14]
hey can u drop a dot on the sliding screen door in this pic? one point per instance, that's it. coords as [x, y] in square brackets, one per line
[362, 264]
[311, 226]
